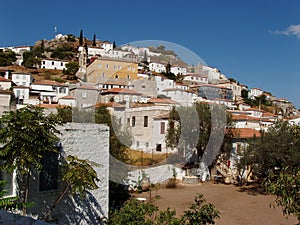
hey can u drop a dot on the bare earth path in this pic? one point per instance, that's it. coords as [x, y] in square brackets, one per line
[237, 206]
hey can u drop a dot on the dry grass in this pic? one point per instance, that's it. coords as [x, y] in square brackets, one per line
[140, 158]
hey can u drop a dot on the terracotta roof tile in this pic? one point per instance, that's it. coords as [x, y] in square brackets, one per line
[2, 79]
[121, 91]
[48, 82]
[162, 100]
[245, 133]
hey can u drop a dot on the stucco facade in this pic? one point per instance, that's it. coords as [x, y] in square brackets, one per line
[86, 141]
[101, 70]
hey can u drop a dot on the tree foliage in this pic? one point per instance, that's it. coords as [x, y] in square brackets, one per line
[94, 40]
[274, 158]
[26, 135]
[71, 68]
[64, 51]
[8, 203]
[139, 213]
[192, 127]
[31, 60]
[79, 176]
[285, 185]
[81, 38]
[7, 57]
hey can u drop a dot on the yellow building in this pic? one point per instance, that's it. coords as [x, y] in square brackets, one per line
[103, 69]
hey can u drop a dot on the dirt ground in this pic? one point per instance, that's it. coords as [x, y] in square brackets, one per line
[238, 206]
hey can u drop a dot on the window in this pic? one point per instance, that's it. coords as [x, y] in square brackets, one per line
[162, 127]
[133, 121]
[61, 64]
[52, 63]
[116, 76]
[158, 147]
[106, 66]
[137, 144]
[128, 77]
[62, 90]
[43, 62]
[128, 68]
[103, 74]
[84, 94]
[145, 121]
[147, 144]
[143, 86]
[99, 65]
[49, 173]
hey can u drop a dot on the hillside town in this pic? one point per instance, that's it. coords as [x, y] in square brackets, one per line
[140, 86]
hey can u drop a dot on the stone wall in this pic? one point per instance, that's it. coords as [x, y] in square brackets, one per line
[86, 141]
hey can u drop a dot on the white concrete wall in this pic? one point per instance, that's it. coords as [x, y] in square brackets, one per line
[53, 64]
[86, 141]
[162, 84]
[23, 79]
[5, 85]
[157, 67]
[178, 70]
[156, 174]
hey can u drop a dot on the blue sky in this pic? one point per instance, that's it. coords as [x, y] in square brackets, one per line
[255, 42]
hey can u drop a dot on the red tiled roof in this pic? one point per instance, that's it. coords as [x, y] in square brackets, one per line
[162, 100]
[244, 117]
[3, 79]
[85, 87]
[245, 133]
[52, 106]
[267, 114]
[121, 91]
[254, 109]
[109, 104]
[48, 82]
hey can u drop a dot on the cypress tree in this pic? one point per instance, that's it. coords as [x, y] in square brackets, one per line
[81, 38]
[94, 40]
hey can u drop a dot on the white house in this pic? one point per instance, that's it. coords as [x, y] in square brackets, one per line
[49, 91]
[54, 64]
[163, 83]
[120, 54]
[120, 95]
[213, 73]
[184, 97]
[255, 92]
[67, 101]
[178, 70]
[5, 84]
[147, 129]
[93, 51]
[157, 67]
[22, 94]
[22, 79]
[195, 79]
[19, 50]
[107, 46]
